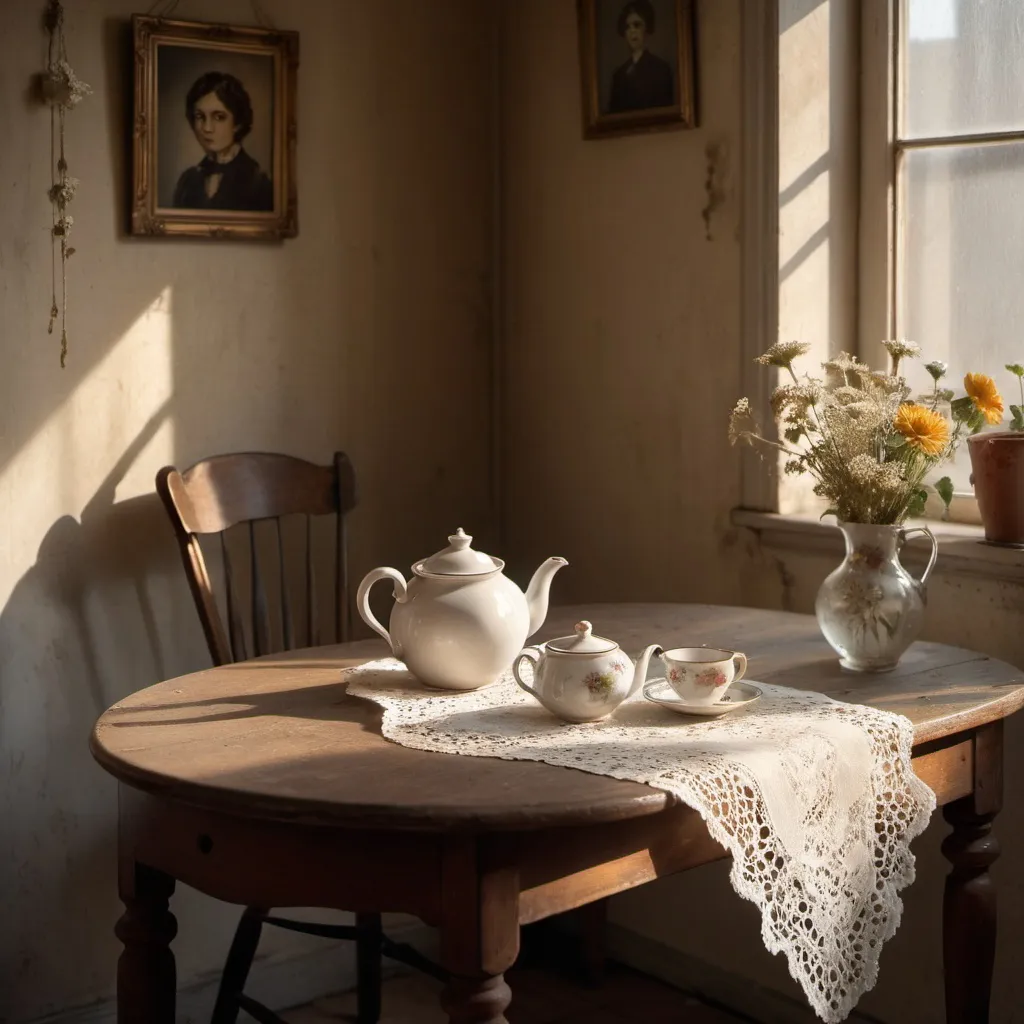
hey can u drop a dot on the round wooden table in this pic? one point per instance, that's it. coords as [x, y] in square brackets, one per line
[263, 783]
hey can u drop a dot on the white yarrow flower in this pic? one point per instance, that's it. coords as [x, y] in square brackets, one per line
[782, 353]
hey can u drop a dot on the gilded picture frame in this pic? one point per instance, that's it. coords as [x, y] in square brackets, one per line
[637, 65]
[214, 130]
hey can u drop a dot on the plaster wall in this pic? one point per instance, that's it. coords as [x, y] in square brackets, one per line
[355, 335]
[620, 352]
[621, 357]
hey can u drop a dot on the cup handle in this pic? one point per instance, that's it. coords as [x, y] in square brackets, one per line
[935, 552]
[739, 662]
[530, 654]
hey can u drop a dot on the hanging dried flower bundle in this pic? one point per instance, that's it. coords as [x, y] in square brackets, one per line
[60, 89]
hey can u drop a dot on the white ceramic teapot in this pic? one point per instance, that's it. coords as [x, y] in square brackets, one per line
[459, 622]
[583, 677]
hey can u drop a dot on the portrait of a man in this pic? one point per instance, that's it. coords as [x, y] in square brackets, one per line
[214, 147]
[637, 64]
[219, 111]
[644, 79]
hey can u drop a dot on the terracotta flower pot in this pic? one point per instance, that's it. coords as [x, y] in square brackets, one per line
[997, 473]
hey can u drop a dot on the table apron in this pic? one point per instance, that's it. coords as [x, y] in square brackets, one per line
[947, 766]
[561, 869]
[276, 864]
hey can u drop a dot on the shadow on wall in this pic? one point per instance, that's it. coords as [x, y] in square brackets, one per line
[79, 632]
[179, 349]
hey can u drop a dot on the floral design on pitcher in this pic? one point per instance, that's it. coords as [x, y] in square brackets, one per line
[864, 603]
[869, 556]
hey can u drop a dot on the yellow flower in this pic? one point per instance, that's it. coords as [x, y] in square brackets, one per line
[983, 393]
[924, 429]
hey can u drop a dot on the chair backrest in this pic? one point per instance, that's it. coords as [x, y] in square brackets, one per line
[219, 493]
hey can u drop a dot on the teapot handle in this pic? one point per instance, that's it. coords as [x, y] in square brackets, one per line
[935, 552]
[530, 654]
[363, 601]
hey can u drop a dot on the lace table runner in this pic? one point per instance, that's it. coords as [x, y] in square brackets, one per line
[816, 800]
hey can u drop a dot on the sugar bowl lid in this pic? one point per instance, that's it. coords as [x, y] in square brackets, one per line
[458, 559]
[582, 641]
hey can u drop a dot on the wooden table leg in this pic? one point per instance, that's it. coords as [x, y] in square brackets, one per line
[146, 976]
[479, 931]
[969, 907]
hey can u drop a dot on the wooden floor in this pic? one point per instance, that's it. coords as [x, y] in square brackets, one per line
[540, 996]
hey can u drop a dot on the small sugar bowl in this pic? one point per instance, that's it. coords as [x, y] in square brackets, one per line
[582, 678]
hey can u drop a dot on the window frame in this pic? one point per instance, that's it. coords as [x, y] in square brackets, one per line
[882, 151]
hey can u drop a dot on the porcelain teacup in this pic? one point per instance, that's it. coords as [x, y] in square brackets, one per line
[701, 675]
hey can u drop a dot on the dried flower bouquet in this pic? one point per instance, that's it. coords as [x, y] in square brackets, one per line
[856, 431]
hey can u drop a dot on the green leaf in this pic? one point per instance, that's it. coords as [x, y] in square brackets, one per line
[829, 512]
[917, 503]
[1016, 369]
[1017, 423]
[945, 395]
[793, 434]
[944, 489]
[963, 409]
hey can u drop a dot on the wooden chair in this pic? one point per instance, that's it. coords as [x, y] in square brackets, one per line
[240, 490]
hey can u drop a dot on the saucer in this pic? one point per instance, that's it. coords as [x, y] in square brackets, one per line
[740, 694]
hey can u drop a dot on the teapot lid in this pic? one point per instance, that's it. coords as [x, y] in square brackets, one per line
[582, 642]
[458, 559]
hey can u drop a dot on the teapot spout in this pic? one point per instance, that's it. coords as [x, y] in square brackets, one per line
[537, 592]
[640, 672]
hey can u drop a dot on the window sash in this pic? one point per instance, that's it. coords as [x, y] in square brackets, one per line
[883, 154]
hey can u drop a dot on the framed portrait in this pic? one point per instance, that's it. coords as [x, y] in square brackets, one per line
[213, 147]
[637, 65]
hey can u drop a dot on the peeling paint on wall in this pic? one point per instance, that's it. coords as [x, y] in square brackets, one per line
[716, 156]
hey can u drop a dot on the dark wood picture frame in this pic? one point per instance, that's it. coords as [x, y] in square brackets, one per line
[599, 121]
[215, 48]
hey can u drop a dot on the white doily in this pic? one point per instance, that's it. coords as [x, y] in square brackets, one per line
[815, 800]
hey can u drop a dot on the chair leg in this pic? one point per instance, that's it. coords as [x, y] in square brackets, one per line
[236, 969]
[368, 963]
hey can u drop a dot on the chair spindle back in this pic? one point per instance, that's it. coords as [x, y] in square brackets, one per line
[250, 491]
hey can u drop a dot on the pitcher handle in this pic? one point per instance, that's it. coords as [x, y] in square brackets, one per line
[529, 654]
[363, 601]
[904, 534]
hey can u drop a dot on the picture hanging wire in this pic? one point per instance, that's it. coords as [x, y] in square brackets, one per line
[165, 8]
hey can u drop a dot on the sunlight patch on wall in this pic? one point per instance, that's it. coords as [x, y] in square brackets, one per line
[804, 184]
[104, 443]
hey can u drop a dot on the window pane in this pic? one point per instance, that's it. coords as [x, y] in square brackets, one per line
[963, 66]
[961, 295]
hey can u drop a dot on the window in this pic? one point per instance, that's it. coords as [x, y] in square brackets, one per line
[953, 198]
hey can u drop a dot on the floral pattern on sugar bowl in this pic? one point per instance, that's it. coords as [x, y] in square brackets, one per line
[601, 684]
[582, 678]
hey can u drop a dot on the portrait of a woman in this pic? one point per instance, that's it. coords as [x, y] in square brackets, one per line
[644, 80]
[219, 111]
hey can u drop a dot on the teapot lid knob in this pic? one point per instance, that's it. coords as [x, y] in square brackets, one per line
[460, 540]
[458, 559]
[582, 642]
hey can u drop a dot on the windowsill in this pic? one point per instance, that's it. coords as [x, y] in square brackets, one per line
[962, 547]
